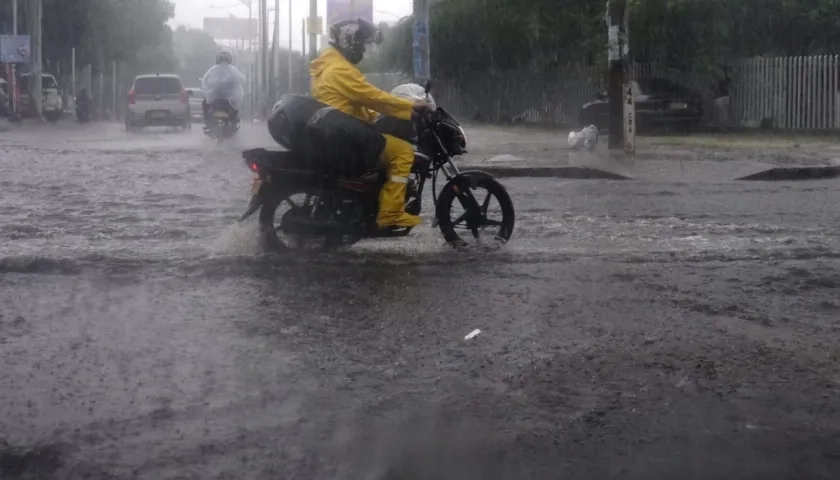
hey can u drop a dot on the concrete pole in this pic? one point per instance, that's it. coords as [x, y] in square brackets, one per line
[290, 46]
[114, 91]
[275, 55]
[303, 49]
[616, 10]
[313, 33]
[421, 47]
[101, 91]
[36, 96]
[258, 58]
[629, 104]
[73, 71]
[14, 115]
[264, 56]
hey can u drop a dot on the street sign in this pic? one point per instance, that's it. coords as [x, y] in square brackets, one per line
[315, 25]
[349, 9]
[231, 28]
[15, 49]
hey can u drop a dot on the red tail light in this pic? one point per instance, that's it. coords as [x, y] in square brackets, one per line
[254, 167]
[184, 97]
[132, 97]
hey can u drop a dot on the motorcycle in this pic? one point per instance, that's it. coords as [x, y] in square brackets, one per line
[224, 121]
[331, 211]
[82, 111]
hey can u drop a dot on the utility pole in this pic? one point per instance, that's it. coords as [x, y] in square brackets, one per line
[36, 96]
[421, 45]
[313, 30]
[303, 40]
[251, 56]
[264, 56]
[14, 114]
[73, 71]
[290, 47]
[275, 55]
[622, 121]
[114, 91]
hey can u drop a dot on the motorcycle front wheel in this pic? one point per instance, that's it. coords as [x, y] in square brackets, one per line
[482, 211]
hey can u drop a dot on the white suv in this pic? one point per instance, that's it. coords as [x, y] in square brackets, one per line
[157, 101]
[52, 104]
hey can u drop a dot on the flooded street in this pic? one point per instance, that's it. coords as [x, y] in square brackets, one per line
[630, 329]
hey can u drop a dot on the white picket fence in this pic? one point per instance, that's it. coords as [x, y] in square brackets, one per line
[788, 93]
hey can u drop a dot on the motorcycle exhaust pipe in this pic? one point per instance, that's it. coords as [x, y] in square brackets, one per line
[252, 207]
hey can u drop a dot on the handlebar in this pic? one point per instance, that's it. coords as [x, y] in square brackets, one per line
[424, 118]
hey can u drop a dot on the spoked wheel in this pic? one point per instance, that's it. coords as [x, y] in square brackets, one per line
[288, 225]
[481, 213]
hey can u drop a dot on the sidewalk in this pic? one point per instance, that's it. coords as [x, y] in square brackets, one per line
[690, 158]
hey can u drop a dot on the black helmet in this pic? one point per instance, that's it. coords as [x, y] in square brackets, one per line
[224, 56]
[351, 38]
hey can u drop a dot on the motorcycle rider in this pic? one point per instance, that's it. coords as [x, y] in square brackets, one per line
[337, 82]
[222, 81]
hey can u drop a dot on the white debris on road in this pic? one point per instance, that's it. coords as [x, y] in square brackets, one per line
[586, 138]
[472, 334]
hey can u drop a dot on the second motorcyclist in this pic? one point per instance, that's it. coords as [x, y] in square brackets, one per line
[222, 82]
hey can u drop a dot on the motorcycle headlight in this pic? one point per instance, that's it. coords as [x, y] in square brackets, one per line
[463, 137]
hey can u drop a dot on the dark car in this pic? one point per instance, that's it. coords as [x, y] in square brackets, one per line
[659, 103]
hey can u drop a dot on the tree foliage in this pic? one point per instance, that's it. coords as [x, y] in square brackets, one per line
[133, 32]
[483, 35]
[195, 51]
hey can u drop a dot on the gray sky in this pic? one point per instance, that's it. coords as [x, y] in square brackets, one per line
[191, 13]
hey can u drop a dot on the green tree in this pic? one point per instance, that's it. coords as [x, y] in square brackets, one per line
[195, 50]
[700, 35]
[133, 32]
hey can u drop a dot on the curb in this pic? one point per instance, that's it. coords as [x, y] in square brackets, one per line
[578, 173]
[794, 173]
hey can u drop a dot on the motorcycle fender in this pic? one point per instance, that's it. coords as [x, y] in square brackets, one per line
[467, 180]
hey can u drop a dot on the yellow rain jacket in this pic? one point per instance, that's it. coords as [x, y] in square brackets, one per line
[341, 85]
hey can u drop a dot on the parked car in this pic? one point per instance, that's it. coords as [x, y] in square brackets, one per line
[52, 104]
[659, 103]
[196, 96]
[157, 100]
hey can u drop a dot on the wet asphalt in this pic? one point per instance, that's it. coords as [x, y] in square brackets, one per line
[630, 329]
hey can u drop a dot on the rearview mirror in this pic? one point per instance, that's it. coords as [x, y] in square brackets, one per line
[428, 87]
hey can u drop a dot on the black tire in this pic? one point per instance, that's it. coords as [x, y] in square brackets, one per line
[448, 196]
[271, 240]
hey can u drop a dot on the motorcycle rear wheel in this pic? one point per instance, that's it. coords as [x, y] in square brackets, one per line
[276, 217]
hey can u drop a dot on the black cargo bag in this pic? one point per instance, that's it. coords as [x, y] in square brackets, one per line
[288, 121]
[402, 129]
[345, 145]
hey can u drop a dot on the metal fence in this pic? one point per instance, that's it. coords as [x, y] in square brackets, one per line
[790, 93]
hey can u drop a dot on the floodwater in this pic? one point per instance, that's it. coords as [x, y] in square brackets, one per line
[630, 329]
